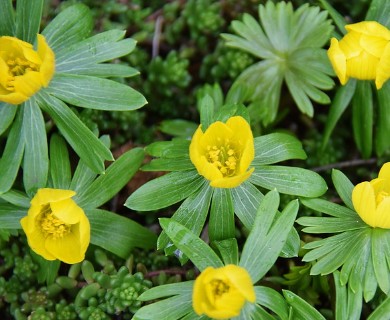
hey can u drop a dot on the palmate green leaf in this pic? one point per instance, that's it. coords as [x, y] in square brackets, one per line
[169, 149]
[47, 270]
[246, 200]
[277, 147]
[221, 221]
[7, 18]
[10, 216]
[289, 180]
[379, 248]
[228, 250]
[167, 290]
[7, 115]
[36, 157]
[272, 300]
[382, 141]
[169, 309]
[171, 164]
[301, 308]
[107, 70]
[70, 26]
[118, 234]
[191, 214]
[343, 186]
[206, 106]
[178, 128]
[292, 246]
[382, 311]
[60, 172]
[28, 19]
[338, 19]
[165, 191]
[83, 141]
[13, 153]
[329, 208]
[268, 235]
[99, 48]
[295, 86]
[16, 198]
[95, 93]
[363, 117]
[112, 181]
[379, 11]
[200, 254]
[340, 102]
[215, 92]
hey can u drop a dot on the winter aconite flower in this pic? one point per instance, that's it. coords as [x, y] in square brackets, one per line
[23, 70]
[56, 227]
[223, 153]
[363, 53]
[371, 200]
[221, 293]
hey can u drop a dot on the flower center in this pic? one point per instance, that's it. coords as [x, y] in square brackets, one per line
[382, 195]
[50, 225]
[18, 67]
[219, 288]
[223, 157]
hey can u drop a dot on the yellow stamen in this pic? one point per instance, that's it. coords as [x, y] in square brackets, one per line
[51, 226]
[223, 157]
[219, 288]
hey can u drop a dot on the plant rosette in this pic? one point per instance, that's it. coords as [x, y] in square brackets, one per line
[218, 171]
[360, 244]
[63, 217]
[226, 287]
[44, 72]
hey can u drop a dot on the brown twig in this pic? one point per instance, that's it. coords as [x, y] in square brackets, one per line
[345, 164]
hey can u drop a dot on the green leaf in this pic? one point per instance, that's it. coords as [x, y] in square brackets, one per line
[191, 214]
[178, 128]
[169, 164]
[268, 235]
[95, 93]
[7, 18]
[47, 270]
[83, 141]
[379, 11]
[10, 216]
[206, 112]
[102, 47]
[336, 16]
[16, 198]
[289, 180]
[167, 290]
[246, 200]
[343, 186]
[301, 307]
[295, 86]
[169, 309]
[28, 19]
[200, 254]
[272, 300]
[340, 102]
[221, 221]
[169, 149]
[382, 311]
[228, 250]
[292, 245]
[71, 26]
[60, 172]
[363, 117]
[165, 191]
[109, 184]
[13, 153]
[329, 208]
[118, 234]
[382, 141]
[277, 147]
[36, 157]
[7, 115]
[379, 246]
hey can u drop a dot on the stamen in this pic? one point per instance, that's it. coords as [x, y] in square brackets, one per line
[219, 288]
[223, 157]
[50, 225]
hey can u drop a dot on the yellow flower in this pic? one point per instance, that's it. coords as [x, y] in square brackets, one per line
[224, 152]
[371, 200]
[221, 293]
[363, 53]
[23, 71]
[56, 227]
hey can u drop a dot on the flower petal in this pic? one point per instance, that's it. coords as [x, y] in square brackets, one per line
[199, 303]
[372, 28]
[363, 199]
[48, 60]
[242, 281]
[46, 195]
[338, 61]
[66, 249]
[350, 45]
[382, 214]
[362, 67]
[231, 182]
[215, 133]
[383, 68]
[67, 211]
[28, 84]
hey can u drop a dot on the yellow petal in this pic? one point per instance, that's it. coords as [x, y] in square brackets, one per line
[195, 147]
[12, 98]
[338, 61]
[382, 214]
[383, 68]
[370, 28]
[199, 292]
[231, 182]
[66, 249]
[215, 133]
[373, 45]
[28, 84]
[207, 170]
[4, 74]
[362, 67]
[67, 211]
[46, 195]
[84, 231]
[363, 199]
[350, 45]
[48, 60]
[241, 280]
